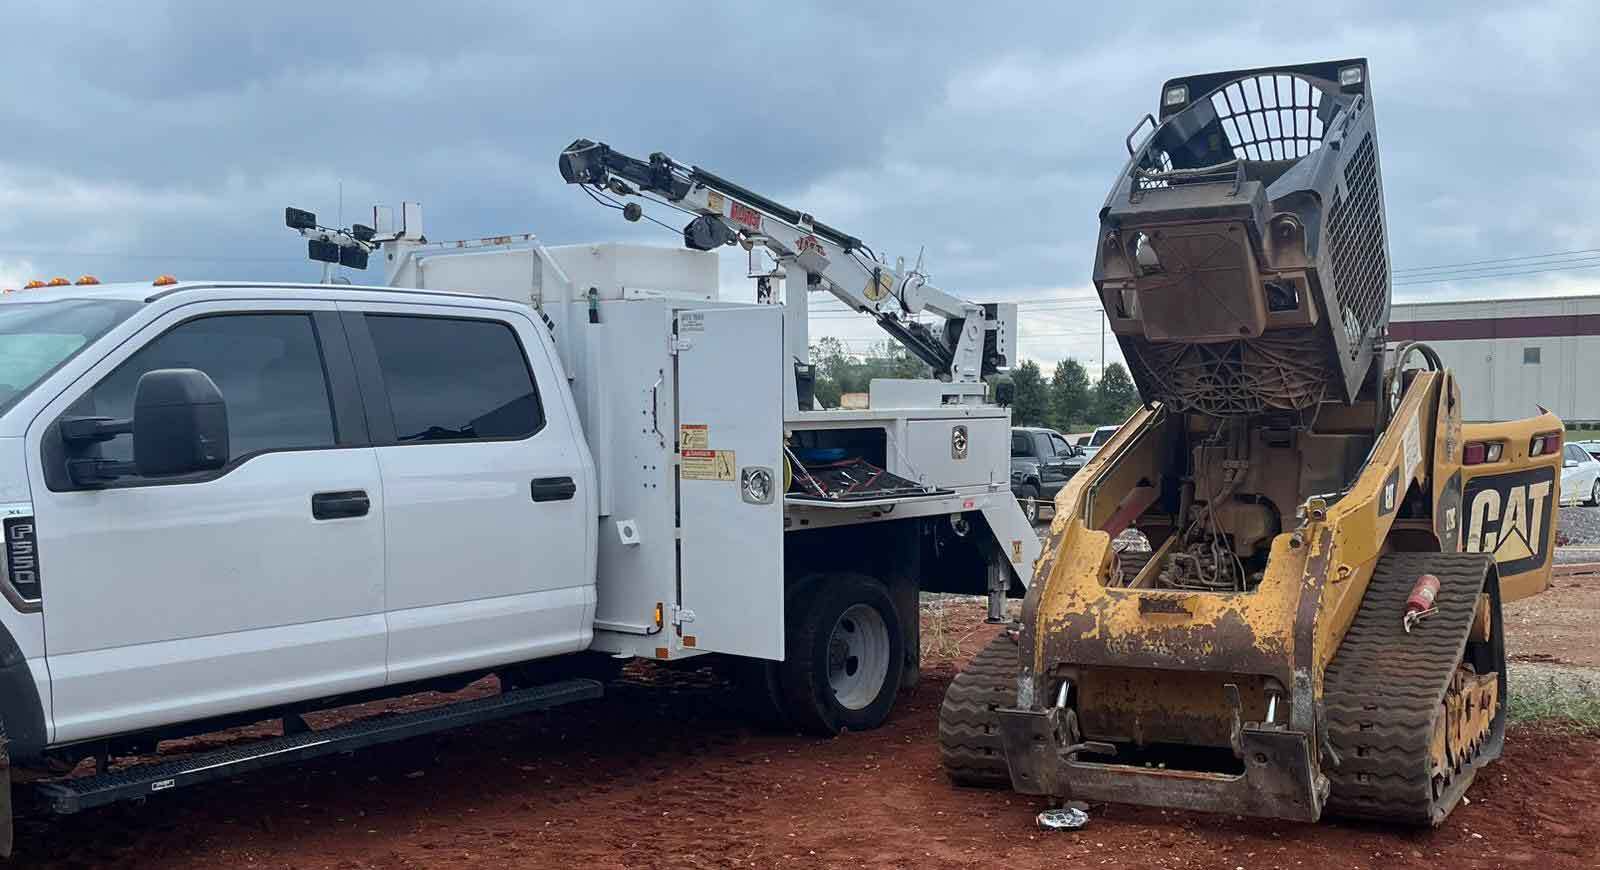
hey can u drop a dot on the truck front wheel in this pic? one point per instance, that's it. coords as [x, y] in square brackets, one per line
[844, 655]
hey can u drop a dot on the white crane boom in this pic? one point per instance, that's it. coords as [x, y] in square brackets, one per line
[978, 338]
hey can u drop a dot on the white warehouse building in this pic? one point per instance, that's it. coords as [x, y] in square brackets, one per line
[1513, 355]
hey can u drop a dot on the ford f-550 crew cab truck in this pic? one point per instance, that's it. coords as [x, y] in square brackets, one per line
[234, 502]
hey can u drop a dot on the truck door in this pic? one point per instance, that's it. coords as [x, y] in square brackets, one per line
[730, 478]
[1509, 503]
[488, 488]
[169, 599]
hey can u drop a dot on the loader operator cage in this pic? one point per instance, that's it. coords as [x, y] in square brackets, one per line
[1243, 259]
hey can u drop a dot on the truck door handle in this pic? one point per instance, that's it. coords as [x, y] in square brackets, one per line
[337, 505]
[553, 488]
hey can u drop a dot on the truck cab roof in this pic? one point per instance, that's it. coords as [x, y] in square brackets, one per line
[143, 291]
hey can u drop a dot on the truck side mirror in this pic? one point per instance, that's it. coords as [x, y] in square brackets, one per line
[180, 423]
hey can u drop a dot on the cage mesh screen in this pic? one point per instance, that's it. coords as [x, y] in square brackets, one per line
[1270, 117]
[1355, 236]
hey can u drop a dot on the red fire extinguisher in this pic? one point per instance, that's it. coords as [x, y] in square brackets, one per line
[1420, 602]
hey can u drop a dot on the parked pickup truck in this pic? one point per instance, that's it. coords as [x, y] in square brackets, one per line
[1042, 461]
[229, 503]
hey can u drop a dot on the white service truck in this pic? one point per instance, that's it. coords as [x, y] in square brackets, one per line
[226, 503]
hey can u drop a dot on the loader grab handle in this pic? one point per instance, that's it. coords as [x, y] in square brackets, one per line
[1136, 127]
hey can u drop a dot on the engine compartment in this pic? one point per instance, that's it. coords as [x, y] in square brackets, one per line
[1225, 487]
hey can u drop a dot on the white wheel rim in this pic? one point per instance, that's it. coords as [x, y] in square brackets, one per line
[858, 656]
[1030, 506]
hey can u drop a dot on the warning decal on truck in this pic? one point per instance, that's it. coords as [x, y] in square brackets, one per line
[706, 464]
[694, 436]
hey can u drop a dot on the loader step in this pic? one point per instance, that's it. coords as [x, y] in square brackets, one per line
[1393, 698]
[81, 793]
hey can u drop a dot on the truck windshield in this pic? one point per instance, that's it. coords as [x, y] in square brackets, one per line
[36, 337]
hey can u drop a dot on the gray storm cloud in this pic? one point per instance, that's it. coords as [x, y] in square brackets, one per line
[155, 137]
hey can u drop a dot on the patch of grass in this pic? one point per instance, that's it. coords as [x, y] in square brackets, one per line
[939, 639]
[1564, 705]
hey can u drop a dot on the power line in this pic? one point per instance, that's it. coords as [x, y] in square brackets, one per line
[1454, 266]
[1495, 275]
[1550, 265]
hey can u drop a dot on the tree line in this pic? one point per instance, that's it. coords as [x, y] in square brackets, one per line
[1068, 401]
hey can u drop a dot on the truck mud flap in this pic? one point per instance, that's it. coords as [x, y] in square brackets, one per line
[72, 795]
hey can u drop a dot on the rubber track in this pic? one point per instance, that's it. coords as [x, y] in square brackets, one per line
[969, 730]
[1384, 689]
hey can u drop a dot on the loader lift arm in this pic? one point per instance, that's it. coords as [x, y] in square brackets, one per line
[977, 338]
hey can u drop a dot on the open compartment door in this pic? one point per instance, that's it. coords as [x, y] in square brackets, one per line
[730, 479]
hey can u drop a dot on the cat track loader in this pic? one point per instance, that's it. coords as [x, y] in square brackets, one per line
[1308, 617]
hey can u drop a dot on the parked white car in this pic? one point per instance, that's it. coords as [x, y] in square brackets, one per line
[1580, 476]
[1100, 436]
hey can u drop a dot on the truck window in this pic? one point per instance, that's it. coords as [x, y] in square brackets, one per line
[453, 379]
[1060, 446]
[37, 337]
[1021, 444]
[268, 367]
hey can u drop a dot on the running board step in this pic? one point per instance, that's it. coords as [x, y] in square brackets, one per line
[72, 795]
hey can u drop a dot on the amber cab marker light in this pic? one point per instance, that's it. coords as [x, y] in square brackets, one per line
[165, 281]
[59, 282]
[87, 281]
[33, 285]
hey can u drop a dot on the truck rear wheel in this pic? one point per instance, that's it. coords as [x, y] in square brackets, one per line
[844, 655]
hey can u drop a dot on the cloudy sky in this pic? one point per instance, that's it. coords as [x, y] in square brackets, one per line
[153, 137]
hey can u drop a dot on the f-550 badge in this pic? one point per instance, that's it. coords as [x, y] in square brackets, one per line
[1508, 515]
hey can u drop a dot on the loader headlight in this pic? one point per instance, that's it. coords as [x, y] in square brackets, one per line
[1479, 452]
[1544, 443]
[1350, 76]
[1176, 95]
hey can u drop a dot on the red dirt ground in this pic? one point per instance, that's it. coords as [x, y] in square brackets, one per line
[1557, 626]
[652, 777]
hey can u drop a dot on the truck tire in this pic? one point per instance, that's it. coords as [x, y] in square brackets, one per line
[969, 728]
[1029, 500]
[843, 655]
